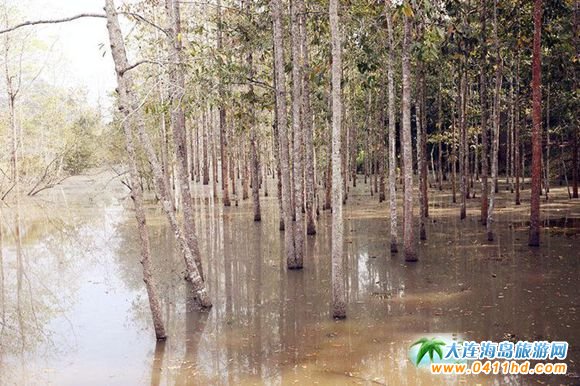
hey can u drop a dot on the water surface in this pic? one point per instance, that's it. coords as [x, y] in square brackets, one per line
[74, 309]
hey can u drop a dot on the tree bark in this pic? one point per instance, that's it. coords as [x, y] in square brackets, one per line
[408, 239]
[255, 161]
[440, 142]
[308, 127]
[222, 122]
[454, 159]
[484, 114]
[297, 101]
[205, 148]
[575, 171]
[424, 169]
[421, 151]
[338, 290]
[392, 132]
[177, 81]
[517, 160]
[381, 145]
[496, 124]
[534, 236]
[283, 132]
[463, 140]
[547, 162]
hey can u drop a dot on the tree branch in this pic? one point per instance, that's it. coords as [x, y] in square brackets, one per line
[53, 21]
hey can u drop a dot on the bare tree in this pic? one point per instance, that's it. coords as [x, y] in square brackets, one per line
[408, 239]
[297, 101]
[496, 124]
[307, 123]
[338, 291]
[222, 119]
[254, 157]
[484, 112]
[534, 237]
[282, 125]
[176, 95]
[392, 132]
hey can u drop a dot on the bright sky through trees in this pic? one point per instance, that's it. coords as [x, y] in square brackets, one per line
[80, 55]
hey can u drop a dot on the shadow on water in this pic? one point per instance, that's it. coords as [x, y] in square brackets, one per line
[269, 325]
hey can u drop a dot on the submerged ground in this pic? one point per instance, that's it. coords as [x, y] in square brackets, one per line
[74, 310]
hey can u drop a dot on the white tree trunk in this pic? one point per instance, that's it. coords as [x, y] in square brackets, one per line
[338, 290]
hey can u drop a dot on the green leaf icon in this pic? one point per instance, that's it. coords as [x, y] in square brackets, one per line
[429, 346]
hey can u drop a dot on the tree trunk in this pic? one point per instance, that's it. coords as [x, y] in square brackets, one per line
[392, 132]
[255, 162]
[338, 290]
[297, 8]
[283, 132]
[454, 159]
[440, 142]
[129, 102]
[517, 162]
[421, 151]
[328, 180]
[425, 180]
[547, 163]
[244, 162]
[463, 140]
[177, 79]
[512, 136]
[222, 123]
[496, 124]
[308, 125]
[575, 171]
[534, 236]
[408, 239]
[381, 145]
[484, 114]
[214, 166]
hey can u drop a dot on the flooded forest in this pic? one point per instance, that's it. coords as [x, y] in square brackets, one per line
[289, 192]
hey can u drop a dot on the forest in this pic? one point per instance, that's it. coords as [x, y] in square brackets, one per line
[289, 192]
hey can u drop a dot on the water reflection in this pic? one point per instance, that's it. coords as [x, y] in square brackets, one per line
[269, 325]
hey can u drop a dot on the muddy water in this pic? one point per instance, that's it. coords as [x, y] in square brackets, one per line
[74, 310]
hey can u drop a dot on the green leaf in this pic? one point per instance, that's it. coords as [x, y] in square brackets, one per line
[422, 351]
[439, 351]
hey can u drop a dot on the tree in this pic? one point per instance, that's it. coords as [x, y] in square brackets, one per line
[254, 159]
[392, 130]
[307, 122]
[484, 111]
[222, 118]
[176, 95]
[282, 126]
[496, 123]
[534, 236]
[338, 291]
[408, 239]
[297, 9]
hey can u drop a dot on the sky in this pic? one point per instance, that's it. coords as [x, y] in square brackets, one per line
[80, 56]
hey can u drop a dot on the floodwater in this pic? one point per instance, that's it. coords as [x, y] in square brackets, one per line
[74, 310]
